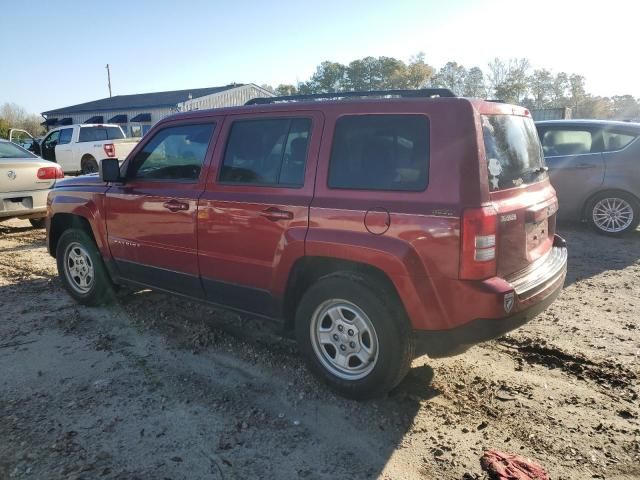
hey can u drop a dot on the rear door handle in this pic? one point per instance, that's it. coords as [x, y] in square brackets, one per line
[174, 205]
[275, 214]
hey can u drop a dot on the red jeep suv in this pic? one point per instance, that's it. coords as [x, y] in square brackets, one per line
[376, 225]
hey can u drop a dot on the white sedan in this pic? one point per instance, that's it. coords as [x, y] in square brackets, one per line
[25, 181]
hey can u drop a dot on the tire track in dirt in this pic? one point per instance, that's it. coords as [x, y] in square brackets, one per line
[605, 373]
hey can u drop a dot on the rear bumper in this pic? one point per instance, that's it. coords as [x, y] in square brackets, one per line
[29, 204]
[525, 295]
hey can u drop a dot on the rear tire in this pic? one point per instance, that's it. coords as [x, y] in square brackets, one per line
[37, 222]
[354, 335]
[82, 270]
[89, 165]
[613, 213]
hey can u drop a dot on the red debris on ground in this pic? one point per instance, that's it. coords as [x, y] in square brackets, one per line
[504, 466]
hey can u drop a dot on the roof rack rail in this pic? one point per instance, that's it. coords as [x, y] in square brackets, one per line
[420, 93]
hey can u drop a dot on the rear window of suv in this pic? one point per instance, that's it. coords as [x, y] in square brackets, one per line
[513, 152]
[96, 134]
[380, 152]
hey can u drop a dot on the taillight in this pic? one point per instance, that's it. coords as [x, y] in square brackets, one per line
[478, 243]
[109, 149]
[50, 173]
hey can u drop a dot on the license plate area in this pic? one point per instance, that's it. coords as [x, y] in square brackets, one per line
[537, 233]
[18, 203]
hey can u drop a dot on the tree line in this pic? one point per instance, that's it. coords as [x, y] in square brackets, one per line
[14, 116]
[511, 80]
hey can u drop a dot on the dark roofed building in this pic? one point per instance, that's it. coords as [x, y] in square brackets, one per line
[136, 113]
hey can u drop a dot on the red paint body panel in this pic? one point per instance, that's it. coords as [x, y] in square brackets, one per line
[141, 230]
[250, 236]
[241, 239]
[84, 197]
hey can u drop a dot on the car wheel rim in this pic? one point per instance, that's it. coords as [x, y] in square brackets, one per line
[78, 268]
[612, 215]
[344, 339]
[90, 168]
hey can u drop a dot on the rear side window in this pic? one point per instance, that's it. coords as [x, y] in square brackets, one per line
[568, 142]
[512, 150]
[380, 152]
[65, 136]
[96, 134]
[267, 152]
[616, 140]
[174, 153]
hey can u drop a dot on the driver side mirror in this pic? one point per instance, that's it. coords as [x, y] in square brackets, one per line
[110, 170]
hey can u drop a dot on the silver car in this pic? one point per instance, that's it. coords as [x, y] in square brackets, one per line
[25, 181]
[594, 166]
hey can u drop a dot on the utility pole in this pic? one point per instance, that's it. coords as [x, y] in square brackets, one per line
[108, 79]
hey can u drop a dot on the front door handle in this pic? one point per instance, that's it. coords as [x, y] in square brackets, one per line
[174, 205]
[275, 214]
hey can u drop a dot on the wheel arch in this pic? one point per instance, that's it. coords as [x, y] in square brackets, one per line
[61, 222]
[309, 269]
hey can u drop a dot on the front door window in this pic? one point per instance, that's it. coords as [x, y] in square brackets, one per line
[49, 146]
[174, 153]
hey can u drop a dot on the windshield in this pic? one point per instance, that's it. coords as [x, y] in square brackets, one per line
[10, 150]
[513, 152]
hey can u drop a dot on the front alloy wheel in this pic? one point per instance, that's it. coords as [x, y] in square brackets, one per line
[78, 268]
[81, 268]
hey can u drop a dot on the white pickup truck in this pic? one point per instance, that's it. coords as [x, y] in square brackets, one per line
[79, 148]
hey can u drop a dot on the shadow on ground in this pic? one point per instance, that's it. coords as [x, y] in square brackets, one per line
[591, 253]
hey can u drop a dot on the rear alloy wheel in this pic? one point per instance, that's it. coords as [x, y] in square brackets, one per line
[614, 213]
[89, 165]
[344, 339]
[37, 222]
[81, 269]
[354, 335]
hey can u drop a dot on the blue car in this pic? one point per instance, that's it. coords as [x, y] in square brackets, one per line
[594, 166]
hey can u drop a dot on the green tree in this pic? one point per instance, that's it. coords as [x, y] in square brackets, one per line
[577, 90]
[16, 116]
[595, 107]
[363, 74]
[509, 80]
[559, 90]
[452, 76]
[497, 76]
[418, 73]
[474, 84]
[329, 77]
[625, 107]
[392, 73]
[282, 90]
[4, 128]
[541, 87]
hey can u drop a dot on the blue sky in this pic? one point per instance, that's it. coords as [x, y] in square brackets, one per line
[59, 49]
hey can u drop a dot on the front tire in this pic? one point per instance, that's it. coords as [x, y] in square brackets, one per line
[82, 270]
[354, 335]
[614, 213]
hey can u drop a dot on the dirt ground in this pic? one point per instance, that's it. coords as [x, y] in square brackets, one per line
[156, 387]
